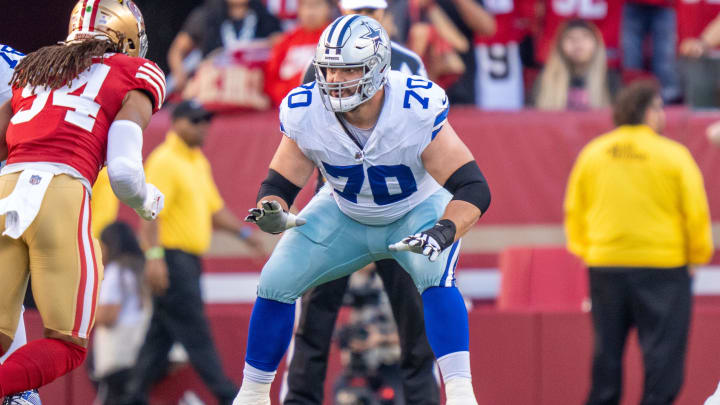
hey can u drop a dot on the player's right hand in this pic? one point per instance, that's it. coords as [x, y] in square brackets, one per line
[153, 204]
[271, 218]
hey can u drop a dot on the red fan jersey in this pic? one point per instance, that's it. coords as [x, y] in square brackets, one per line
[512, 19]
[70, 125]
[499, 70]
[694, 15]
[605, 14]
[288, 60]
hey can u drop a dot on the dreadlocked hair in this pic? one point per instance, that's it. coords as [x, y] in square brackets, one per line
[55, 66]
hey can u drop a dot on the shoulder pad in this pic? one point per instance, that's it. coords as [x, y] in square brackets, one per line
[295, 108]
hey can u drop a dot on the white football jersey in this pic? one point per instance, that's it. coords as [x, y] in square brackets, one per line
[8, 60]
[380, 182]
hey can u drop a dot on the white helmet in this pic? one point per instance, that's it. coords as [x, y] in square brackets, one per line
[352, 41]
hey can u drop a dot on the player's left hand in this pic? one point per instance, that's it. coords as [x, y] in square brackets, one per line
[271, 218]
[430, 242]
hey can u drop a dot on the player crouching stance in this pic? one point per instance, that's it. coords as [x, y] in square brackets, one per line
[382, 140]
[74, 106]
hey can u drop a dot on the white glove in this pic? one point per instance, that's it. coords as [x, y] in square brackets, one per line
[420, 243]
[271, 218]
[430, 242]
[153, 203]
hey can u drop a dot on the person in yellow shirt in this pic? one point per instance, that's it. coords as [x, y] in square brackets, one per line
[637, 214]
[173, 247]
[104, 205]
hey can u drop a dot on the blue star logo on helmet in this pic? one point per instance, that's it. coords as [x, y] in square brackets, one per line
[373, 35]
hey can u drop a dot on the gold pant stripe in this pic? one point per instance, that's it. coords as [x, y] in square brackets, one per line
[87, 287]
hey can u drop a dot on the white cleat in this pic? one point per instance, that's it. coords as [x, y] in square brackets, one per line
[252, 393]
[459, 391]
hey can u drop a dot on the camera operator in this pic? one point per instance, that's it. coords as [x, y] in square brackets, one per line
[369, 343]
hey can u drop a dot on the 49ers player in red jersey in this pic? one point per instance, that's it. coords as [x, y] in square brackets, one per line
[75, 106]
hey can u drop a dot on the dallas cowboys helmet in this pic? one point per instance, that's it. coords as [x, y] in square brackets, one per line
[352, 41]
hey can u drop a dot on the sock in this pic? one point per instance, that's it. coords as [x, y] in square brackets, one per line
[446, 320]
[460, 388]
[455, 365]
[38, 363]
[271, 327]
[251, 373]
[249, 386]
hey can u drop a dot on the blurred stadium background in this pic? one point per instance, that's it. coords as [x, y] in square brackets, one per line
[531, 337]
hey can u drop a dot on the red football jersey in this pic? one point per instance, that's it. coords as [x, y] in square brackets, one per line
[606, 14]
[70, 125]
[512, 18]
[694, 15]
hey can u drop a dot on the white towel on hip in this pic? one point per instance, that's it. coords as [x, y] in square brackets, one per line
[23, 204]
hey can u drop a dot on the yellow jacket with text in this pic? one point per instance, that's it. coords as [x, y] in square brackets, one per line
[637, 199]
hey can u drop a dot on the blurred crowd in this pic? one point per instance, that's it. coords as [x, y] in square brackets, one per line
[494, 54]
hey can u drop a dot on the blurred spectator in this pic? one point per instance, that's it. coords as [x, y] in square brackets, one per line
[701, 57]
[575, 76]
[284, 10]
[163, 23]
[219, 24]
[174, 244]
[399, 12]
[709, 38]
[443, 32]
[499, 75]
[401, 59]
[605, 14]
[369, 346]
[694, 21]
[294, 52]
[656, 19]
[231, 80]
[122, 313]
[713, 133]
[637, 214]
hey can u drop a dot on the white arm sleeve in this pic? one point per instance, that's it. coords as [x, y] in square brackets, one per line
[124, 162]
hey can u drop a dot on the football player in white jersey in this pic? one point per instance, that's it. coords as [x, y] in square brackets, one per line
[401, 185]
[9, 58]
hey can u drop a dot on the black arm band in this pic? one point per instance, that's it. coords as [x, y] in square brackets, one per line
[468, 184]
[443, 232]
[276, 184]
